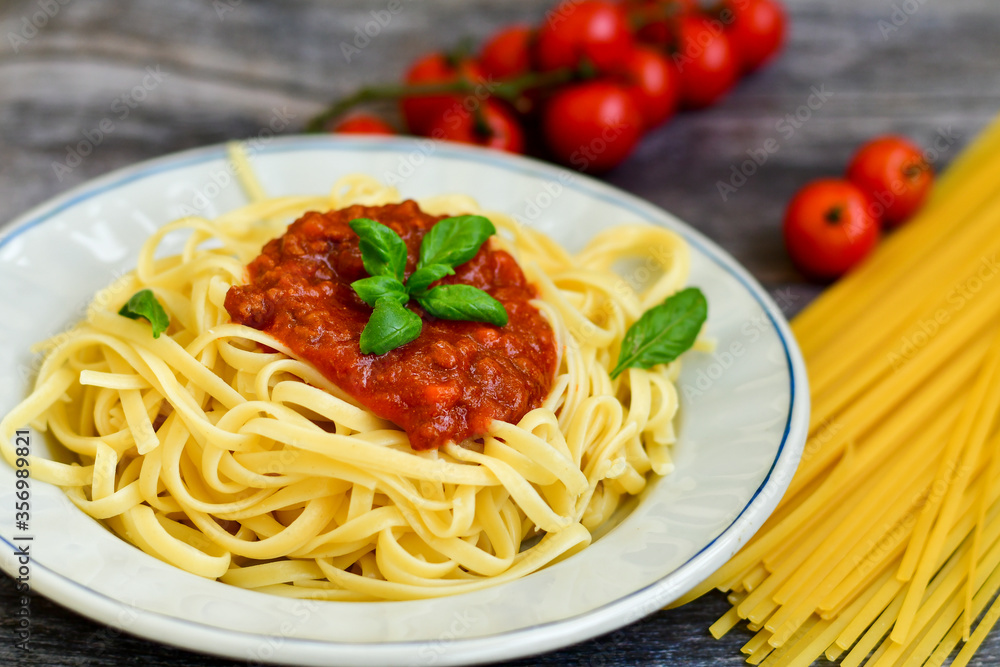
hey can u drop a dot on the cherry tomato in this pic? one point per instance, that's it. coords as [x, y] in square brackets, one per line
[591, 126]
[895, 176]
[595, 31]
[705, 59]
[756, 28]
[652, 18]
[421, 111]
[493, 126]
[363, 124]
[828, 228]
[653, 82]
[508, 52]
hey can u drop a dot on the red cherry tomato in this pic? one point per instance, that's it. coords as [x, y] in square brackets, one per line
[895, 176]
[756, 28]
[828, 228]
[652, 18]
[508, 52]
[363, 124]
[705, 60]
[590, 30]
[421, 111]
[496, 127]
[653, 82]
[591, 126]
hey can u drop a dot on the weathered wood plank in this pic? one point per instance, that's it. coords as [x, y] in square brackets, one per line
[224, 71]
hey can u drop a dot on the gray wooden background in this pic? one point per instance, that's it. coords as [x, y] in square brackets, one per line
[215, 70]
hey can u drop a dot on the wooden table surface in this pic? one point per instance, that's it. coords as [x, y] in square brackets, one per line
[213, 71]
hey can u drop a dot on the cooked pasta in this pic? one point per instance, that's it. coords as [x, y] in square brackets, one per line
[215, 449]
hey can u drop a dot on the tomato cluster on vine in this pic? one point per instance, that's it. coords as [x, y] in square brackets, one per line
[584, 85]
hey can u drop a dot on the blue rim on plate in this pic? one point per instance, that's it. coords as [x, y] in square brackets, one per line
[508, 644]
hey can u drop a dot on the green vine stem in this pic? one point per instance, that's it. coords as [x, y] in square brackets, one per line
[509, 90]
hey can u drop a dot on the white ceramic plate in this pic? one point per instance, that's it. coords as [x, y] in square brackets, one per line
[743, 424]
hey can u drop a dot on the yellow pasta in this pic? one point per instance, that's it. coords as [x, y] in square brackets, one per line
[886, 548]
[216, 450]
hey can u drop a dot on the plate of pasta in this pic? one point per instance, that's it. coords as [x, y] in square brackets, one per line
[326, 400]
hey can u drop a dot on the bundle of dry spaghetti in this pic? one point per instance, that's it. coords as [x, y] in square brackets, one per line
[886, 548]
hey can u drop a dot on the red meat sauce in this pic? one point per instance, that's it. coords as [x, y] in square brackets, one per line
[449, 383]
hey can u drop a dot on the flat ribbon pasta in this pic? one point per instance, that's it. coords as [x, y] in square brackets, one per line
[214, 449]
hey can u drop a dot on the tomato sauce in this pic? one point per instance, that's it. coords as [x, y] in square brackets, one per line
[449, 383]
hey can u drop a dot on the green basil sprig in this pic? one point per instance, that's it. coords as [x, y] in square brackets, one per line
[664, 332]
[380, 287]
[143, 304]
[382, 251]
[449, 243]
[454, 241]
[463, 302]
[391, 325]
[421, 279]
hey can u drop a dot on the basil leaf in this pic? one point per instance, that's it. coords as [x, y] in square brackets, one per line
[143, 304]
[374, 288]
[463, 302]
[421, 279]
[454, 241]
[390, 326]
[663, 333]
[448, 243]
[382, 251]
